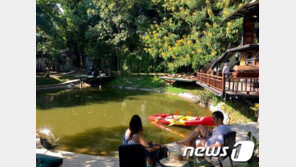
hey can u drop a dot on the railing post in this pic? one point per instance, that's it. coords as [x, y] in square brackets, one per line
[208, 78]
[223, 83]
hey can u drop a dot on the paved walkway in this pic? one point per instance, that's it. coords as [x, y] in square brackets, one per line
[82, 160]
[243, 129]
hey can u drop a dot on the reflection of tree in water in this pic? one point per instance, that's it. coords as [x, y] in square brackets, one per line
[68, 98]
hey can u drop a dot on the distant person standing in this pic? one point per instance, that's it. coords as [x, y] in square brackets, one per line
[47, 72]
[226, 70]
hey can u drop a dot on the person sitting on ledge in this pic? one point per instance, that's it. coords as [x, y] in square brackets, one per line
[205, 137]
[134, 135]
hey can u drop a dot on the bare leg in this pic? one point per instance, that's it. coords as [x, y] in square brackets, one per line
[198, 131]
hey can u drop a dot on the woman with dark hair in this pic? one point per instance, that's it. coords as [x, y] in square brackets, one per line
[134, 135]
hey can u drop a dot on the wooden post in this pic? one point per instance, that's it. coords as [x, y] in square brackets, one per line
[232, 85]
[246, 86]
[223, 83]
[208, 78]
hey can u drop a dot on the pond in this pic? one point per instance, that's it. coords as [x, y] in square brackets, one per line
[93, 121]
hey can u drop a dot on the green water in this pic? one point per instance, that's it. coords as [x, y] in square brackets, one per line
[93, 121]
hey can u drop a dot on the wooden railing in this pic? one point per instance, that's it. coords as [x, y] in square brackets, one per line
[246, 85]
[214, 81]
[232, 85]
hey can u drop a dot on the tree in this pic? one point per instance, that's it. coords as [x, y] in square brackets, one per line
[191, 33]
[136, 36]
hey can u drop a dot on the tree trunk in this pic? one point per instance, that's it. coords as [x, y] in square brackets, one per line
[117, 62]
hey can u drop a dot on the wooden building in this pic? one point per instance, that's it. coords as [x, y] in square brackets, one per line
[243, 60]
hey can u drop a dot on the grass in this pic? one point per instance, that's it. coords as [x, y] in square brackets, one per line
[238, 111]
[183, 87]
[65, 78]
[172, 89]
[150, 82]
[53, 79]
[47, 81]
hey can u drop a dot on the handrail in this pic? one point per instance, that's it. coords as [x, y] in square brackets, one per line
[229, 84]
[243, 84]
[214, 81]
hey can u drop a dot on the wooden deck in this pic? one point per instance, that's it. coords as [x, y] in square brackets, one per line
[222, 86]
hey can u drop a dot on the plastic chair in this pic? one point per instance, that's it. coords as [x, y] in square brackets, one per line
[132, 156]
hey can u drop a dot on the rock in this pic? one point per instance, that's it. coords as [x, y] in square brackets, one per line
[186, 95]
[197, 98]
[175, 155]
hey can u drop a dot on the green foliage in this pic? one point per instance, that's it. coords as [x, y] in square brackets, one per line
[207, 96]
[256, 110]
[136, 36]
[254, 139]
[172, 89]
[53, 79]
[238, 112]
[191, 33]
[150, 82]
[255, 158]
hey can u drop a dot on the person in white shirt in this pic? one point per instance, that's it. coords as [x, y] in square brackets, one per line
[226, 70]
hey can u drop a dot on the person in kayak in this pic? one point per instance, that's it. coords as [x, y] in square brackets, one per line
[134, 135]
[205, 137]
